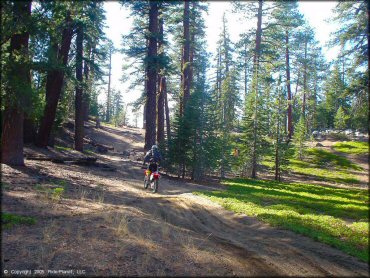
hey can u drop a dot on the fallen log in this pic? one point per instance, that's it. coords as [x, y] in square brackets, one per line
[87, 161]
[60, 159]
[105, 167]
[95, 144]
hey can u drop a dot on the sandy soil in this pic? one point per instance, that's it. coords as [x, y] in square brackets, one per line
[107, 224]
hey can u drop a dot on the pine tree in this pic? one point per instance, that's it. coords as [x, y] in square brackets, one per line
[151, 70]
[279, 136]
[226, 96]
[340, 119]
[17, 86]
[352, 35]
[58, 55]
[335, 95]
[79, 123]
[299, 138]
[288, 17]
[111, 50]
[250, 123]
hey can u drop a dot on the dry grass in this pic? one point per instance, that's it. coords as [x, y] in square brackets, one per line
[82, 193]
[166, 231]
[46, 252]
[122, 229]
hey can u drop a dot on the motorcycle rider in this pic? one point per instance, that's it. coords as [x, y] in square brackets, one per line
[153, 156]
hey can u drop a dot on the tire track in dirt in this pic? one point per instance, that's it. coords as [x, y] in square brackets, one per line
[259, 247]
[134, 232]
[262, 249]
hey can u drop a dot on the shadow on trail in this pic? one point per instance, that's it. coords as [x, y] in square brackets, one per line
[133, 239]
[135, 232]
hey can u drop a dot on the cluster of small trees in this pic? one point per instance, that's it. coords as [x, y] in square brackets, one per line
[271, 88]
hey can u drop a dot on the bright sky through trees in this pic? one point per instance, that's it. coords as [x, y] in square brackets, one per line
[119, 23]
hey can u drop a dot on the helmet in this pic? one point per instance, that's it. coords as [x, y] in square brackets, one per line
[154, 147]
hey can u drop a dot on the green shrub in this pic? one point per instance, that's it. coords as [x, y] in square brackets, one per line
[57, 193]
[8, 220]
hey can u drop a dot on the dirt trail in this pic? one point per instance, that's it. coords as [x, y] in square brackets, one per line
[107, 224]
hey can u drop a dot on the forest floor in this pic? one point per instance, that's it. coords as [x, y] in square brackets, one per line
[101, 221]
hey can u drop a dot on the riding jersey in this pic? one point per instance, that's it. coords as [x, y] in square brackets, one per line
[153, 156]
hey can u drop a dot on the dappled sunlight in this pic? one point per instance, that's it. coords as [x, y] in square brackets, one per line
[216, 90]
[352, 147]
[322, 215]
[325, 158]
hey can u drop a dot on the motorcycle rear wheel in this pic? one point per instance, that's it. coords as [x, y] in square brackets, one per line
[155, 186]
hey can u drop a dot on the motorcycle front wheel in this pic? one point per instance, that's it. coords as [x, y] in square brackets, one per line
[146, 183]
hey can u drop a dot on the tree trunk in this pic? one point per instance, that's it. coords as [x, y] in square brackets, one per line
[151, 69]
[162, 89]
[245, 72]
[168, 127]
[160, 114]
[86, 98]
[97, 124]
[12, 130]
[29, 130]
[109, 81]
[304, 80]
[218, 75]
[277, 157]
[79, 121]
[258, 34]
[256, 68]
[185, 70]
[298, 79]
[290, 116]
[226, 53]
[12, 137]
[144, 117]
[191, 45]
[54, 84]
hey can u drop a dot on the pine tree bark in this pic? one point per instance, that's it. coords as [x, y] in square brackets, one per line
[304, 80]
[219, 75]
[12, 130]
[277, 142]
[287, 66]
[54, 84]
[255, 69]
[226, 53]
[245, 72]
[185, 84]
[160, 113]
[162, 89]
[144, 117]
[167, 111]
[151, 69]
[86, 95]
[191, 44]
[107, 118]
[29, 129]
[258, 34]
[79, 120]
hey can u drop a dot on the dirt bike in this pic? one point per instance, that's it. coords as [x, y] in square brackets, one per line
[152, 179]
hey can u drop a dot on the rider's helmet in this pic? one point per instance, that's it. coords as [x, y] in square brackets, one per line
[154, 148]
